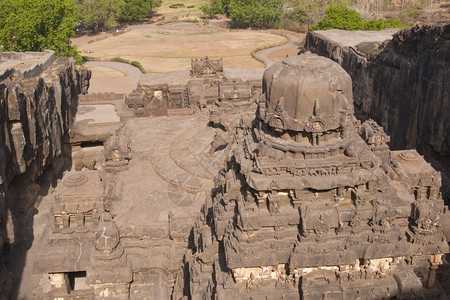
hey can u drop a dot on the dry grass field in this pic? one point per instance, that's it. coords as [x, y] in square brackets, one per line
[165, 49]
[168, 12]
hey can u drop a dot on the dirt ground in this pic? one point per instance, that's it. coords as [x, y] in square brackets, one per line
[105, 72]
[171, 48]
[168, 12]
[286, 52]
[107, 80]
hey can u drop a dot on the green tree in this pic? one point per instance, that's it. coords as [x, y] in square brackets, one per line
[341, 17]
[255, 13]
[217, 7]
[97, 14]
[36, 25]
[138, 9]
[308, 12]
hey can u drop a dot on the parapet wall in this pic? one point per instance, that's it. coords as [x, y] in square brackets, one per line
[41, 61]
[37, 100]
[402, 83]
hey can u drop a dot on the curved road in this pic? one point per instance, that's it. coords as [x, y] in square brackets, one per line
[264, 54]
[127, 69]
[136, 74]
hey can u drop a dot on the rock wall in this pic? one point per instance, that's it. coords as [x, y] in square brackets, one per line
[35, 117]
[404, 84]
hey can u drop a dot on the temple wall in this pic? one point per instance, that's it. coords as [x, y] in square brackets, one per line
[404, 85]
[37, 105]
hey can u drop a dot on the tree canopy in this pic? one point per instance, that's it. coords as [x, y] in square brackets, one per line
[36, 25]
[342, 17]
[217, 7]
[255, 13]
[307, 12]
[247, 13]
[97, 14]
[138, 9]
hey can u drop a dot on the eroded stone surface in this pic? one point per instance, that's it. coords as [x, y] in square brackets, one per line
[401, 80]
[306, 208]
[238, 194]
[38, 93]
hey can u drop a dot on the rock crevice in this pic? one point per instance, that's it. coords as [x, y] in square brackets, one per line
[38, 96]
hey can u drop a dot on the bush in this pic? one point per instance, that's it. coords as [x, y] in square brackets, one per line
[379, 24]
[341, 17]
[120, 59]
[176, 5]
[176, 20]
[138, 65]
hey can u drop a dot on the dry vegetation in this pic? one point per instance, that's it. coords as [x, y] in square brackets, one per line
[181, 11]
[169, 49]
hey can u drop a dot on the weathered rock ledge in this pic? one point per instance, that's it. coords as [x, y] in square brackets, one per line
[401, 78]
[38, 94]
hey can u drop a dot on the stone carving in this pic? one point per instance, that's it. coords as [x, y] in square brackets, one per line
[117, 150]
[392, 84]
[235, 106]
[206, 67]
[316, 200]
[205, 85]
[37, 96]
[309, 202]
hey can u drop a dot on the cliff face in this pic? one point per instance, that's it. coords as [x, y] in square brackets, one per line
[402, 83]
[38, 94]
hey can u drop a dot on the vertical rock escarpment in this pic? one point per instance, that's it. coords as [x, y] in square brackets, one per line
[403, 83]
[37, 97]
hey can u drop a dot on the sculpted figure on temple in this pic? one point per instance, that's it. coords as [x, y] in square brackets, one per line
[106, 235]
[309, 189]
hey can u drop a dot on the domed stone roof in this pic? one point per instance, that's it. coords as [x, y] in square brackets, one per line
[307, 93]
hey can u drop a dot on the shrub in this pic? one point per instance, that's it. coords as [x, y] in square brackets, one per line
[138, 65]
[120, 59]
[379, 24]
[176, 5]
[341, 17]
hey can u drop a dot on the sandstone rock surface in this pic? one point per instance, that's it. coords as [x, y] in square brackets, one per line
[400, 79]
[38, 98]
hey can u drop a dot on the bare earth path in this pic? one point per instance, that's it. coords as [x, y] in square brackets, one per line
[294, 44]
[171, 47]
[127, 69]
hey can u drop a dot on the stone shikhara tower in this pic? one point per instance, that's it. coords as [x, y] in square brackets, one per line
[314, 205]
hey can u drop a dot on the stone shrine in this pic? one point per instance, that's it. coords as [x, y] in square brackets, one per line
[313, 205]
[211, 184]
